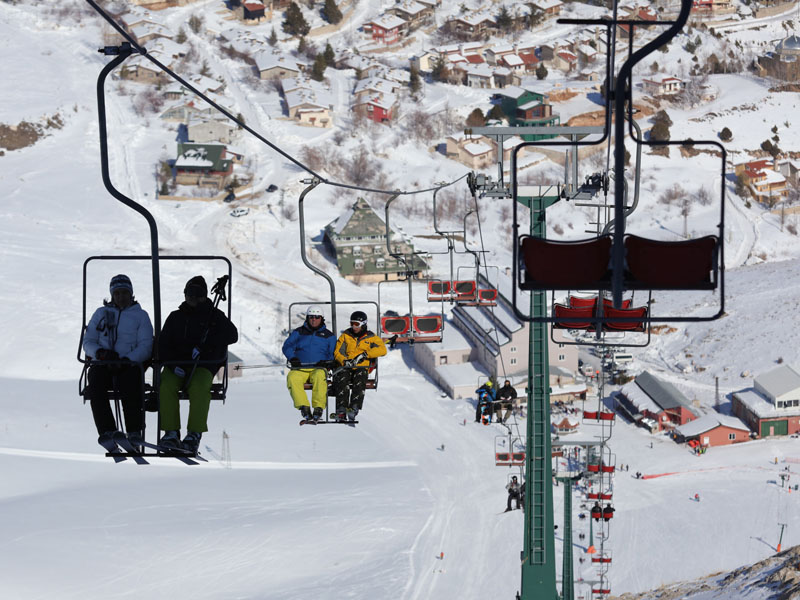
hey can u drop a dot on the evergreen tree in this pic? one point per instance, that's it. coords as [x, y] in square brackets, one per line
[318, 70]
[195, 23]
[504, 20]
[273, 38]
[661, 125]
[541, 72]
[330, 57]
[476, 118]
[294, 22]
[302, 46]
[332, 12]
[414, 81]
[439, 72]
[495, 114]
[181, 37]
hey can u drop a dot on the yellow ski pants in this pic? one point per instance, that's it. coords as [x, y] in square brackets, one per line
[319, 387]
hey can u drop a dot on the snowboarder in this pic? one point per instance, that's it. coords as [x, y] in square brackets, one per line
[193, 346]
[309, 349]
[513, 492]
[118, 339]
[486, 398]
[355, 350]
[505, 401]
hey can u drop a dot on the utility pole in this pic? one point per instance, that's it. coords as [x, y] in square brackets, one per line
[780, 539]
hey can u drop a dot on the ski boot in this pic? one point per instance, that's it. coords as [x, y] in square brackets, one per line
[317, 414]
[171, 440]
[191, 443]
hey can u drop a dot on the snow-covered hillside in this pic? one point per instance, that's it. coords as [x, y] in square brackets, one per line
[408, 505]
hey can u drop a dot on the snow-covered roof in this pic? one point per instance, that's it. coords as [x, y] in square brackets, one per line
[771, 176]
[778, 381]
[477, 148]
[480, 318]
[452, 339]
[512, 60]
[511, 91]
[388, 22]
[376, 84]
[639, 399]
[501, 49]
[761, 407]
[709, 422]
[480, 70]
[531, 104]
[301, 97]
[268, 60]
[194, 157]
[410, 6]
[546, 4]
[461, 375]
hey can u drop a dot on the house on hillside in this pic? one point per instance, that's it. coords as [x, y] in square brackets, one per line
[765, 183]
[772, 405]
[524, 107]
[415, 14]
[357, 239]
[549, 8]
[205, 165]
[713, 430]
[308, 104]
[790, 169]
[182, 112]
[472, 26]
[255, 12]
[215, 130]
[387, 29]
[705, 8]
[654, 404]
[380, 108]
[273, 65]
[663, 85]
[784, 61]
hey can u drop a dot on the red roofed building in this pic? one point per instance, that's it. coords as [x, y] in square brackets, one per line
[765, 183]
[386, 29]
[253, 11]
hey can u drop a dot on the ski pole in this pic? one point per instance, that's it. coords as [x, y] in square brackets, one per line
[219, 294]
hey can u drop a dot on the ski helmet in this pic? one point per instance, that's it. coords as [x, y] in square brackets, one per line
[489, 384]
[359, 317]
[314, 311]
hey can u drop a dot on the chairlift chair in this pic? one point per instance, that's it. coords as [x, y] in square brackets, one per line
[411, 328]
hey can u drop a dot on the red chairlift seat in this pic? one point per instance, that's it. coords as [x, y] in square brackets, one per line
[517, 458]
[558, 265]
[601, 559]
[593, 468]
[465, 291]
[392, 326]
[601, 591]
[561, 311]
[650, 264]
[427, 328]
[637, 313]
[599, 415]
[598, 496]
[655, 264]
[438, 291]
[581, 302]
[586, 309]
[608, 513]
[606, 468]
[487, 297]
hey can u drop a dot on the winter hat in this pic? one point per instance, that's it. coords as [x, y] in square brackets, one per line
[120, 282]
[197, 287]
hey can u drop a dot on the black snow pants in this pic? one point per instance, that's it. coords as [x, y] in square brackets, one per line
[129, 387]
[350, 385]
[513, 494]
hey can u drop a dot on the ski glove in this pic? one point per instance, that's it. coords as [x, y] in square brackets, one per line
[195, 353]
[103, 354]
[179, 372]
[353, 362]
[295, 362]
[325, 364]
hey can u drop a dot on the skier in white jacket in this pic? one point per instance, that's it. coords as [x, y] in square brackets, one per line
[119, 340]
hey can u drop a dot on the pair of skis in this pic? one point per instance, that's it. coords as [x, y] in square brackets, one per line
[313, 421]
[121, 441]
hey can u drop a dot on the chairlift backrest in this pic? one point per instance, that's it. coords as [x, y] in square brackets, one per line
[395, 325]
[465, 289]
[428, 324]
[557, 265]
[656, 264]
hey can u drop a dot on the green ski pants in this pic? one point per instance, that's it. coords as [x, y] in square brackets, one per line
[199, 400]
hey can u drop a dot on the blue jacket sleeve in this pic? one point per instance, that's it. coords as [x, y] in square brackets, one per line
[290, 345]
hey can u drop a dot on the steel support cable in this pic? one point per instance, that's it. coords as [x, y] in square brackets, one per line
[143, 51]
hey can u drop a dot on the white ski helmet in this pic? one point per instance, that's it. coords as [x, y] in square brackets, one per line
[314, 311]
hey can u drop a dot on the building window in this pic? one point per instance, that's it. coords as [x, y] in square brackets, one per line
[442, 360]
[731, 436]
[357, 250]
[562, 357]
[513, 349]
[358, 264]
[380, 263]
[561, 345]
[513, 361]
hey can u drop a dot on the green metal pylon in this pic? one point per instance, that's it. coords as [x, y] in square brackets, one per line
[567, 566]
[538, 555]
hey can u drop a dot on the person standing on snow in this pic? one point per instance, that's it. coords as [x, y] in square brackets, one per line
[355, 349]
[193, 345]
[310, 344]
[486, 398]
[118, 339]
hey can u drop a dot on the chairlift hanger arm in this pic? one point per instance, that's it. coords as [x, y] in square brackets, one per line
[310, 185]
[121, 53]
[622, 93]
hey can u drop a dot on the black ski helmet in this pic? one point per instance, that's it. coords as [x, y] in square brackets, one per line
[360, 317]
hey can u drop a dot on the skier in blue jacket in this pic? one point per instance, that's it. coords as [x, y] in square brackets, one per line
[309, 349]
[486, 398]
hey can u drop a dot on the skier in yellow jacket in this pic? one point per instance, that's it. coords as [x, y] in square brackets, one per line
[355, 350]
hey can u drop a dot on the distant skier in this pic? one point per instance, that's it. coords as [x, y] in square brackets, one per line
[118, 339]
[193, 345]
[355, 350]
[486, 398]
[310, 344]
[596, 511]
[697, 497]
[513, 492]
[505, 401]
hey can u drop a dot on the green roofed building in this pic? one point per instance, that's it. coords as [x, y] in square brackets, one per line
[203, 165]
[358, 239]
[527, 108]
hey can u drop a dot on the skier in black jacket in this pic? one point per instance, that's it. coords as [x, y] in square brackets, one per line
[505, 401]
[194, 344]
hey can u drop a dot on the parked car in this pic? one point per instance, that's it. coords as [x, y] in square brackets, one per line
[239, 212]
[272, 187]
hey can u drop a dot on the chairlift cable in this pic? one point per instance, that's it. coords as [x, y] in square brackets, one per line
[143, 51]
